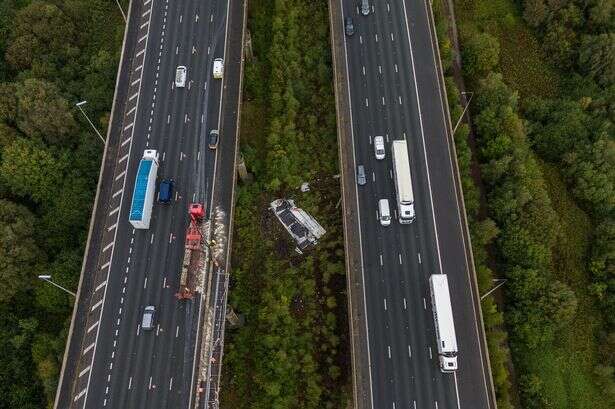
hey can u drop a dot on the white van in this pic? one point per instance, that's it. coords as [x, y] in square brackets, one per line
[384, 211]
[218, 68]
[365, 7]
[379, 147]
[180, 76]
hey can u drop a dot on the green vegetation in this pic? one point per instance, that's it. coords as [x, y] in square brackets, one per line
[544, 143]
[53, 53]
[292, 350]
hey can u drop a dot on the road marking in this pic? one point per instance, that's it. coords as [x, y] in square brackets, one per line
[385, 304]
[430, 355]
[120, 311]
[134, 108]
[92, 327]
[388, 8]
[135, 82]
[366, 102]
[424, 303]
[381, 263]
[392, 39]
[112, 212]
[374, 176]
[391, 173]
[436, 403]
[177, 331]
[414, 404]
[107, 264]
[107, 247]
[170, 237]
[112, 354]
[80, 394]
[138, 54]
[171, 383]
[117, 193]
[85, 351]
[419, 256]
[164, 282]
[150, 383]
[86, 370]
[147, 22]
[198, 155]
[181, 17]
[118, 321]
[138, 328]
[400, 103]
[400, 262]
[364, 70]
[185, 118]
[146, 12]
[383, 103]
[380, 69]
[101, 285]
[405, 304]
[145, 283]
[152, 239]
[396, 69]
[129, 383]
[133, 96]
[124, 157]
[376, 35]
[457, 390]
[98, 304]
[112, 227]
[360, 39]
[389, 349]
[409, 351]
[142, 38]
[157, 329]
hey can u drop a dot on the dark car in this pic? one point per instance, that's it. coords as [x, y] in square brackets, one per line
[349, 26]
[361, 179]
[213, 139]
[165, 193]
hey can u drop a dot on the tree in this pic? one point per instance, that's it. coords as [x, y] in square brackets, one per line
[480, 54]
[19, 254]
[43, 113]
[28, 169]
[535, 12]
[597, 57]
[40, 32]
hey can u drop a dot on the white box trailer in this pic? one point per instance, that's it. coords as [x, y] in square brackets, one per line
[443, 319]
[143, 193]
[403, 182]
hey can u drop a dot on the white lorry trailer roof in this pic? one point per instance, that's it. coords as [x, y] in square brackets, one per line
[441, 303]
[143, 194]
[402, 170]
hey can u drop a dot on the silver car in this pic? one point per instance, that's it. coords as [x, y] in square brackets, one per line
[149, 316]
[361, 179]
[180, 76]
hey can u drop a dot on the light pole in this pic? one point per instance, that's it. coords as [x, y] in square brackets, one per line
[503, 280]
[464, 110]
[79, 105]
[48, 279]
[121, 11]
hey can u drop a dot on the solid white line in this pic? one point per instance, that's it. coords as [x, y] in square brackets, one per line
[354, 161]
[456, 389]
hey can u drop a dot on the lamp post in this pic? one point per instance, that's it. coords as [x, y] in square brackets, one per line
[121, 11]
[502, 281]
[79, 105]
[48, 279]
[464, 110]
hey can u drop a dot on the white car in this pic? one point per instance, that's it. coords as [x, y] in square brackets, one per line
[379, 147]
[180, 76]
[218, 68]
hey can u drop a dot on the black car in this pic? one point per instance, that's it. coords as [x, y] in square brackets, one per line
[349, 26]
[165, 193]
[213, 139]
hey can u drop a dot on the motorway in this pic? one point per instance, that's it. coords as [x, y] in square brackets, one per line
[393, 90]
[120, 365]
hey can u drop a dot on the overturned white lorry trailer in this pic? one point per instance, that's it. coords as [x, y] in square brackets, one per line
[143, 193]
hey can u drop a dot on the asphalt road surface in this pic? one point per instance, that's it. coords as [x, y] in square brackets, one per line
[120, 364]
[394, 92]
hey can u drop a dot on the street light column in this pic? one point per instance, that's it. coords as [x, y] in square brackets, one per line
[79, 105]
[48, 279]
[121, 10]
[464, 110]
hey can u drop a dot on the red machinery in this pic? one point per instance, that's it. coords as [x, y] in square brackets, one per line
[192, 254]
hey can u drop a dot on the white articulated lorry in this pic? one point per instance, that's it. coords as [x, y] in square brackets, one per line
[443, 318]
[143, 193]
[403, 182]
